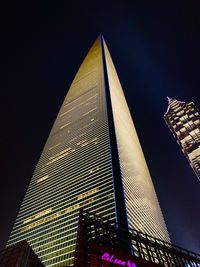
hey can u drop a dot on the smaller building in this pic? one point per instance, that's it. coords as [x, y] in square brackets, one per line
[19, 255]
[102, 244]
[183, 120]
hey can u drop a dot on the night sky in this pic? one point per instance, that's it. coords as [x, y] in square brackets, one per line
[156, 51]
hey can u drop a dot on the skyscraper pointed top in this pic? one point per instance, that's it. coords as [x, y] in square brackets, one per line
[169, 100]
[102, 40]
[172, 103]
[101, 35]
[93, 159]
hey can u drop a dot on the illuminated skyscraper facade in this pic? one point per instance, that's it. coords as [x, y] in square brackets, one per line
[183, 120]
[92, 160]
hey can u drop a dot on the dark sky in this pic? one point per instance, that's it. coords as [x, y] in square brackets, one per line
[156, 50]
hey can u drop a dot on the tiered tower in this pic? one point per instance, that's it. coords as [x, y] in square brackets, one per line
[183, 119]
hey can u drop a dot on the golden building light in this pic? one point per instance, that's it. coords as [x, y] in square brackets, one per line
[93, 160]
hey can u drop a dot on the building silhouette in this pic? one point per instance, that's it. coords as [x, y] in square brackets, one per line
[183, 120]
[92, 160]
[19, 255]
[101, 244]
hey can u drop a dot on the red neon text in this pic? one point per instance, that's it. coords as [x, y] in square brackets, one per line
[113, 259]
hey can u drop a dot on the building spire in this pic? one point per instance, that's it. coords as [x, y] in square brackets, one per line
[169, 99]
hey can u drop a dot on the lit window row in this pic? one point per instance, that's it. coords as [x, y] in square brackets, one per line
[102, 177]
[54, 146]
[60, 157]
[38, 215]
[91, 192]
[65, 125]
[43, 178]
[89, 112]
[61, 152]
[56, 215]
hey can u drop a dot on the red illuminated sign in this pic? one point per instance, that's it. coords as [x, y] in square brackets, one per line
[112, 259]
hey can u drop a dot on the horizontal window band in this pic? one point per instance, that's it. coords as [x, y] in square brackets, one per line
[106, 177]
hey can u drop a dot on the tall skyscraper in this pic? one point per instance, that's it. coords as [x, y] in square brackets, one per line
[93, 160]
[183, 120]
